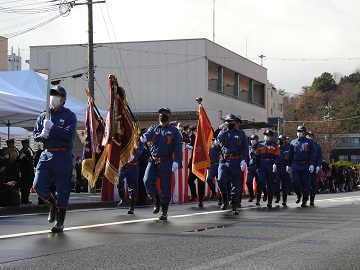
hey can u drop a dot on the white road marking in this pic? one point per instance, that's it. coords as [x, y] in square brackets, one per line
[346, 199]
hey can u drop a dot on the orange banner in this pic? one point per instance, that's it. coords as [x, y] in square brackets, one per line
[201, 157]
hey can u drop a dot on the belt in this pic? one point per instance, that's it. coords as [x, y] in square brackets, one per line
[214, 162]
[57, 149]
[267, 159]
[132, 163]
[158, 160]
[302, 162]
[232, 157]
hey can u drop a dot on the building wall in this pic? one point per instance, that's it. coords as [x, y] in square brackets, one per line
[155, 74]
[3, 54]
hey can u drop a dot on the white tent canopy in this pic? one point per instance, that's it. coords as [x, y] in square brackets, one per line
[23, 98]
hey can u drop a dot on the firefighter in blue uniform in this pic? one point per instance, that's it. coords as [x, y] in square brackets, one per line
[214, 153]
[130, 173]
[166, 141]
[282, 177]
[56, 161]
[233, 162]
[317, 165]
[251, 168]
[302, 156]
[266, 154]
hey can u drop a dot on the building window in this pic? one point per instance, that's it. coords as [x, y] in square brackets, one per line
[356, 140]
[280, 106]
[271, 111]
[343, 157]
[355, 159]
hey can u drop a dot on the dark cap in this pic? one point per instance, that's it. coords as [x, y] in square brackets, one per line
[238, 120]
[12, 140]
[25, 141]
[165, 109]
[58, 90]
[310, 133]
[269, 132]
[230, 117]
[186, 126]
[193, 127]
[172, 123]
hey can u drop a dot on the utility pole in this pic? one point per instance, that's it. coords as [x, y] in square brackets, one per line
[262, 57]
[91, 69]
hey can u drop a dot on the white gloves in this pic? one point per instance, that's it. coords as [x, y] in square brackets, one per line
[274, 168]
[143, 139]
[22, 155]
[243, 165]
[189, 147]
[311, 168]
[48, 124]
[7, 156]
[175, 166]
[223, 125]
[216, 142]
[317, 169]
[131, 158]
[45, 133]
[288, 169]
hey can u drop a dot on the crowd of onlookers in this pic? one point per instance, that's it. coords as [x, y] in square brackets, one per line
[339, 179]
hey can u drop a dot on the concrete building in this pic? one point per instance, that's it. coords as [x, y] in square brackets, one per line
[3, 54]
[166, 73]
[345, 147]
[275, 108]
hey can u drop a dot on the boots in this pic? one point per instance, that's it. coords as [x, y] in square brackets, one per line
[265, 197]
[156, 200]
[51, 203]
[252, 196]
[234, 206]
[277, 195]
[269, 204]
[224, 197]
[122, 196]
[304, 201]
[201, 198]
[298, 194]
[220, 200]
[312, 199]
[60, 217]
[132, 206]
[239, 201]
[165, 208]
[258, 197]
[284, 199]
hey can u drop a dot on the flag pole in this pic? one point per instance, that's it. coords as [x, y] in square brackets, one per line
[47, 116]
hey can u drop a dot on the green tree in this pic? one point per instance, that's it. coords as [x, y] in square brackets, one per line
[324, 83]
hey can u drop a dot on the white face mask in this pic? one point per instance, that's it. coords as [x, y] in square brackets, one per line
[267, 138]
[54, 101]
[299, 134]
[253, 142]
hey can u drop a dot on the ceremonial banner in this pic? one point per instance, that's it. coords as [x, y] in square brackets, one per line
[93, 157]
[121, 133]
[201, 157]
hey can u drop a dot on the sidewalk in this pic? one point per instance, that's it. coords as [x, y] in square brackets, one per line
[77, 201]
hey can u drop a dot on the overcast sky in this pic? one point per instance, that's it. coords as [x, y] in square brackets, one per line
[300, 39]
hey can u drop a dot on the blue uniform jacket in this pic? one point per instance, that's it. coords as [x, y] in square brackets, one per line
[215, 153]
[234, 142]
[282, 160]
[166, 141]
[61, 133]
[319, 157]
[302, 153]
[266, 154]
[252, 156]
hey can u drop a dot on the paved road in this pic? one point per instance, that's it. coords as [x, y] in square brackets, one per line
[326, 236]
